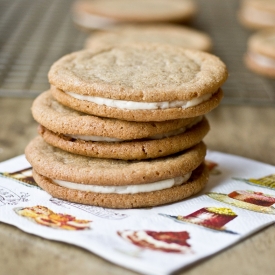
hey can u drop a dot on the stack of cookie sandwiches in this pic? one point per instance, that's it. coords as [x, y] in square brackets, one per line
[122, 127]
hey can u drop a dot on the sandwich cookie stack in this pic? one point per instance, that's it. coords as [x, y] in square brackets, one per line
[122, 127]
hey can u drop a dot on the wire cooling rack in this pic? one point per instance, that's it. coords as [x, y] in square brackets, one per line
[34, 34]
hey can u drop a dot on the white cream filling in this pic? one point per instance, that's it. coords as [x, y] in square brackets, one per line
[259, 16]
[262, 60]
[158, 136]
[127, 189]
[143, 236]
[134, 105]
[88, 20]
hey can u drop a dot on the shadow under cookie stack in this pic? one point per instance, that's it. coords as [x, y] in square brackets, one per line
[122, 127]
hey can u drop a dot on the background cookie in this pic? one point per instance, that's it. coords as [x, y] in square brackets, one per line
[161, 33]
[139, 82]
[257, 14]
[106, 13]
[260, 56]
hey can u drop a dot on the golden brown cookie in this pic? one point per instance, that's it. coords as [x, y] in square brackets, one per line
[92, 136]
[157, 33]
[142, 82]
[194, 185]
[117, 183]
[131, 149]
[55, 163]
[97, 14]
[257, 14]
[260, 55]
[63, 120]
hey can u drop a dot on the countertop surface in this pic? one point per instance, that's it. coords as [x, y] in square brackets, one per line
[246, 131]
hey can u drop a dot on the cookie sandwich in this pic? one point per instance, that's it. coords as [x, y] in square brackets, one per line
[257, 14]
[141, 82]
[101, 137]
[260, 55]
[152, 33]
[98, 14]
[117, 183]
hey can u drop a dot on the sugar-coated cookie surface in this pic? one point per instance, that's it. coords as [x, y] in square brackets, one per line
[63, 120]
[129, 150]
[195, 184]
[141, 72]
[139, 82]
[57, 164]
[153, 33]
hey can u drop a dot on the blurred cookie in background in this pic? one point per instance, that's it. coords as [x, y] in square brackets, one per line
[260, 56]
[155, 33]
[257, 14]
[98, 14]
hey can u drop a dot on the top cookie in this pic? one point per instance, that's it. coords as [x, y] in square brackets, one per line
[153, 33]
[139, 80]
[142, 72]
[105, 13]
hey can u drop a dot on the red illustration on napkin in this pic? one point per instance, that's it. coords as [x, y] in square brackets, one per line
[44, 216]
[166, 241]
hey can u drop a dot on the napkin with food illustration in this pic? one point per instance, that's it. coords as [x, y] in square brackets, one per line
[238, 201]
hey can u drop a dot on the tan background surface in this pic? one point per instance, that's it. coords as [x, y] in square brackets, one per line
[241, 130]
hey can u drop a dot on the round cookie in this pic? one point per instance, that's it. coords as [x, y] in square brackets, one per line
[257, 14]
[158, 33]
[260, 56]
[92, 136]
[195, 184]
[55, 163]
[141, 82]
[72, 177]
[107, 13]
[129, 150]
[63, 120]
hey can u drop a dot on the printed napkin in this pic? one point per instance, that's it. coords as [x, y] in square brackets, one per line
[237, 202]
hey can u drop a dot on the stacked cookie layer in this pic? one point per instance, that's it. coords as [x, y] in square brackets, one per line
[122, 127]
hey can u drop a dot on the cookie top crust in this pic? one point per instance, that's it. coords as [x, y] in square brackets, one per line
[157, 33]
[138, 10]
[263, 42]
[54, 163]
[61, 119]
[140, 72]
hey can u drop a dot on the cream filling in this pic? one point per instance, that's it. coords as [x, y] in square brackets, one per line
[259, 16]
[134, 105]
[143, 236]
[90, 21]
[158, 136]
[262, 60]
[127, 189]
